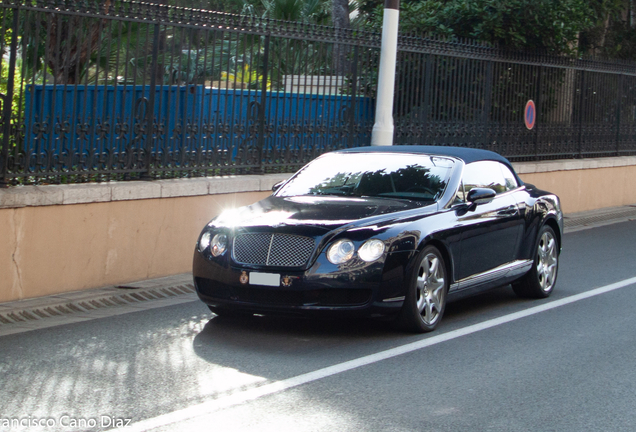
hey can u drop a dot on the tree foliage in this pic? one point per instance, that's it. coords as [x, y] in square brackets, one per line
[574, 27]
[547, 25]
[614, 32]
[307, 11]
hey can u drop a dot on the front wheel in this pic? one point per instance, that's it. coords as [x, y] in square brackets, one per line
[540, 280]
[426, 294]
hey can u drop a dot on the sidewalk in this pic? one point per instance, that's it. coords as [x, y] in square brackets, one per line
[31, 314]
[49, 311]
[595, 218]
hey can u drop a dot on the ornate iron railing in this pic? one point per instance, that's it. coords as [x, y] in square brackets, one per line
[476, 96]
[102, 89]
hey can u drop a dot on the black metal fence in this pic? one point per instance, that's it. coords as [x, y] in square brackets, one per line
[476, 96]
[103, 90]
[126, 90]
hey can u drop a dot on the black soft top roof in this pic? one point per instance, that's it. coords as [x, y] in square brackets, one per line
[465, 154]
[468, 155]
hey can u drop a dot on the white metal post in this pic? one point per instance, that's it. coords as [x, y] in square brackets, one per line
[382, 133]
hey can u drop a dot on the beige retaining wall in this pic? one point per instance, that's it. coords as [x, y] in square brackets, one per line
[53, 239]
[56, 239]
[585, 184]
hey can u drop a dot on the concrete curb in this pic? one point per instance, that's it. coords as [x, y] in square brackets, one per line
[49, 311]
[573, 164]
[594, 218]
[31, 196]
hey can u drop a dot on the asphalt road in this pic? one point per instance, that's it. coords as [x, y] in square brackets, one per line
[564, 366]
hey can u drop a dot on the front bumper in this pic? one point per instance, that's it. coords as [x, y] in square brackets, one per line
[371, 289]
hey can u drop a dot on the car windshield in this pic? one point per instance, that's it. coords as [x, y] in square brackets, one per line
[389, 175]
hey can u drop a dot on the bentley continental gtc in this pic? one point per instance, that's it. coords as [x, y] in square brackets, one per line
[393, 232]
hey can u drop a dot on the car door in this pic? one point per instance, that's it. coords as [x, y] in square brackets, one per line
[490, 232]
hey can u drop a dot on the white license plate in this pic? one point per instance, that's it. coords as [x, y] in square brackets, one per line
[267, 279]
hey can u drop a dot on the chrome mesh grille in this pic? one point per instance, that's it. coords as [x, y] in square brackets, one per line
[252, 248]
[282, 250]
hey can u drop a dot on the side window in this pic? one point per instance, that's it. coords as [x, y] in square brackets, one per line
[511, 181]
[484, 174]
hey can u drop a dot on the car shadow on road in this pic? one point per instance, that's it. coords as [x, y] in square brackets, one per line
[482, 304]
[272, 346]
[259, 331]
[279, 347]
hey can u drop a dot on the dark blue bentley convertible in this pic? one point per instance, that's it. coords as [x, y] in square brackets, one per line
[382, 231]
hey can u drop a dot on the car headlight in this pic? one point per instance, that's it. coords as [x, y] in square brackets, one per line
[204, 241]
[341, 251]
[371, 250]
[218, 244]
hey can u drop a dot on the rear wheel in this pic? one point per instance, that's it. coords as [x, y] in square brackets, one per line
[540, 280]
[426, 294]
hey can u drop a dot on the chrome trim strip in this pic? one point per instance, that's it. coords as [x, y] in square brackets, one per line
[233, 248]
[394, 299]
[519, 265]
[511, 191]
[269, 250]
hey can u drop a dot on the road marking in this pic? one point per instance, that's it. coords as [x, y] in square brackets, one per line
[276, 387]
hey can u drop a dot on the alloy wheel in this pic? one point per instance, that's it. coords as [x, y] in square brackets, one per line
[430, 289]
[547, 261]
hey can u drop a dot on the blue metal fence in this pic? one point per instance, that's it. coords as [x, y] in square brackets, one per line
[110, 118]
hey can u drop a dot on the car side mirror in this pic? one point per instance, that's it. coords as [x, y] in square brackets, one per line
[478, 196]
[277, 185]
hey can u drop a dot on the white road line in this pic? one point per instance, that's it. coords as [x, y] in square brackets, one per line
[275, 387]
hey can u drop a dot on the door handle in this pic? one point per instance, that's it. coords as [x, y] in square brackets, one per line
[508, 211]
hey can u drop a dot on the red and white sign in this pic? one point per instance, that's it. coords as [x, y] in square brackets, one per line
[530, 114]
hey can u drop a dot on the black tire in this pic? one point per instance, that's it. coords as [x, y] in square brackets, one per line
[540, 280]
[426, 293]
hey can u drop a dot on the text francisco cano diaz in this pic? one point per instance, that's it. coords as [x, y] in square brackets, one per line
[64, 422]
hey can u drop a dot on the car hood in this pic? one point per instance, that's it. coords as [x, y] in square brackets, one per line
[320, 212]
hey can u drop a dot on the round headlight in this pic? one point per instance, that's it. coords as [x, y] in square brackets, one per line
[371, 250]
[204, 241]
[218, 245]
[341, 251]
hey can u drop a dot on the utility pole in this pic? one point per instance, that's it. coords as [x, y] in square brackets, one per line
[382, 133]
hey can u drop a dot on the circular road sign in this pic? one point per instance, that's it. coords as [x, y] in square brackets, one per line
[530, 114]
